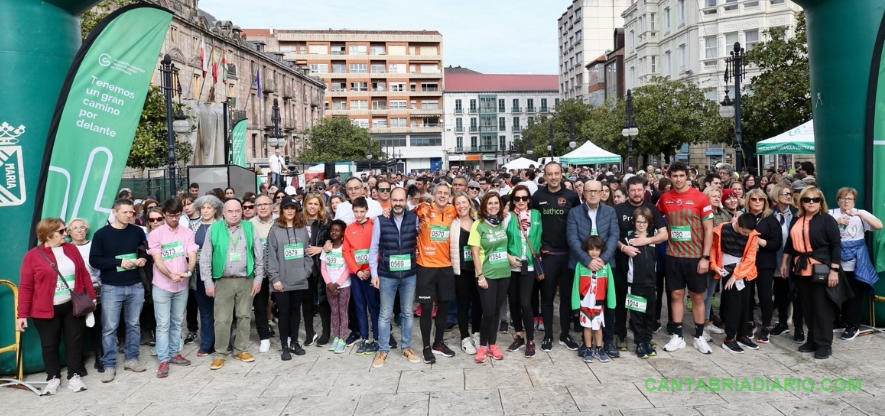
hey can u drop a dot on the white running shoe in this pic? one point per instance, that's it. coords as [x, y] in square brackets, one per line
[264, 346]
[676, 342]
[75, 384]
[467, 346]
[701, 345]
[707, 336]
[475, 338]
[51, 388]
[713, 329]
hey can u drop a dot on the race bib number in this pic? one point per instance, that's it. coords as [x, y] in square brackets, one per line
[361, 256]
[60, 288]
[130, 256]
[497, 256]
[335, 260]
[468, 253]
[680, 233]
[234, 256]
[593, 231]
[439, 233]
[635, 303]
[400, 262]
[293, 251]
[172, 250]
[739, 284]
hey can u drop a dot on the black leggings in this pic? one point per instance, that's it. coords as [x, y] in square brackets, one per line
[289, 303]
[735, 311]
[426, 321]
[557, 275]
[520, 293]
[851, 309]
[819, 311]
[764, 285]
[192, 312]
[51, 330]
[467, 293]
[785, 292]
[492, 299]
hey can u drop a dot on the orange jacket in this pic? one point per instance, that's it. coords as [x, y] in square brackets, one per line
[357, 237]
[433, 234]
[746, 268]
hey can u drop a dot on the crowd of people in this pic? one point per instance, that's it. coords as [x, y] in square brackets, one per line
[459, 249]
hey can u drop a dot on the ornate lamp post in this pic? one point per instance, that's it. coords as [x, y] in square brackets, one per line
[180, 125]
[630, 130]
[730, 109]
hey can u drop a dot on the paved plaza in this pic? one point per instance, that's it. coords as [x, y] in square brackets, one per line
[558, 382]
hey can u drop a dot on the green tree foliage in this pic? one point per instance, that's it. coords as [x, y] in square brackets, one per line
[781, 94]
[336, 139]
[150, 145]
[91, 17]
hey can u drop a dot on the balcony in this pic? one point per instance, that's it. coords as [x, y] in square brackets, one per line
[293, 56]
[288, 91]
[459, 129]
[361, 112]
[415, 129]
[340, 93]
[488, 149]
[543, 109]
[515, 109]
[426, 111]
[459, 148]
[530, 110]
[474, 129]
[459, 111]
[473, 110]
[269, 86]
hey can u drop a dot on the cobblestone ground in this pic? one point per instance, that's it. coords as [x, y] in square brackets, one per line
[558, 382]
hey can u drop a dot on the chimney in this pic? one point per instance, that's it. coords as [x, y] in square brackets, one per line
[271, 30]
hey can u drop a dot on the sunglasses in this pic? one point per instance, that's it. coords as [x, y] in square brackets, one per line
[757, 199]
[811, 200]
[473, 188]
[248, 206]
[280, 197]
[521, 198]
[155, 219]
[383, 189]
[61, 231]
[784, 194]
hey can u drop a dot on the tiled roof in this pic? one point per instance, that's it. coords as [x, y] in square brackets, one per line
[501, 82]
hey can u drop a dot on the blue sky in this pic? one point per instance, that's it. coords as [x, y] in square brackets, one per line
[490, 36]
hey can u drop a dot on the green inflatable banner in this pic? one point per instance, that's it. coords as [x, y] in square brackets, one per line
[876, 110]
[238, 143]
[97, 113]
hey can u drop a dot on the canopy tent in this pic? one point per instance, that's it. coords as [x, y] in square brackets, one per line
[589, 154]
[521, 163]
[798, 141]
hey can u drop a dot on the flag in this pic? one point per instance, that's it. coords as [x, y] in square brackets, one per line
[204, 62]
[223, 64]
[214, 66]
[258, 81]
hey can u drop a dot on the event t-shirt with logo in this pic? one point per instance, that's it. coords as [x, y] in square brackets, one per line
[685, 213]
[335, 265]
[434, 226]
[492, 243]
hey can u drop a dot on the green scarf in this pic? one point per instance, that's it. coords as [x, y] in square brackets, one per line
[219, 239]
[514, 239]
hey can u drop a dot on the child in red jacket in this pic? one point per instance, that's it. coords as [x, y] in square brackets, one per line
[357, 240]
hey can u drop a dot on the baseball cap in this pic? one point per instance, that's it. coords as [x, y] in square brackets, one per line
[333, 181]
[799, 185]
[727, 192]
[290, 190]
[473, 184]
[290, 202]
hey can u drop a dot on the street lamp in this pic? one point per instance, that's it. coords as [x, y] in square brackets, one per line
[175, 124]
[630, 130]
[735, 64]
[276, 138]
[571, 133]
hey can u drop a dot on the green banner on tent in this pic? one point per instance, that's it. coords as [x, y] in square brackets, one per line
[878, 188]
[238, 143]
[97, 114]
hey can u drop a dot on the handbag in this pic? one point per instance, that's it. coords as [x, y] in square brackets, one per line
[820, 273]
[538, 264]
[83, 304]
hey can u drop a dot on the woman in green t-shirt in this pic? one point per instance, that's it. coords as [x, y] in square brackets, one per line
[488, 243]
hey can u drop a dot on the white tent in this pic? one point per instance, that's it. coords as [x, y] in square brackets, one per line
[317, 168]
[589, 154]
[797, 141]
[521, 163]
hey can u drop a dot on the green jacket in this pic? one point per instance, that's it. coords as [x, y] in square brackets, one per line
[514, 236]
[609, 290]
[218, 236]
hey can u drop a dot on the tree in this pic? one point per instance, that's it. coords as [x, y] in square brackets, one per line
[779, 98]
[91, 17]
[151, 144]
[336, 139]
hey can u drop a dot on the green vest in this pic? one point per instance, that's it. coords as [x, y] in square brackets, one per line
[219, 239]
[514, 239]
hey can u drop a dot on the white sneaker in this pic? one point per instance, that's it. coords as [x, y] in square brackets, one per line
[264, 346]
[713, 329]
[707, 336]
[475, 338]
[701, 345]
[676, 342]
[51, 388]
[467, 346]
[76, 384]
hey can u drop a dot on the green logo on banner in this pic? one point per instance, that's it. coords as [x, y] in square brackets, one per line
[238, 143]
[12, 186]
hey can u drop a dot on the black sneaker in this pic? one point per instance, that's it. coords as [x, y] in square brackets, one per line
[658, 327]
[296, 349]
[570, 344]
[611, 351]
[285, 355]
[747, 342]
[503, 327]
[752, 328]
[190, 338]
[530, 349]
[311, 340]
[764, 335]
[450, 326]
[442, 349]
[732, 346]
[352, 339]
[641, 352]
[323, 340]
[849, 334]
[650, 348]
[581, 350]
[808, 347]
[780, 329]
[518, 342]
[799, 337]
[547, 344]
[823, 353]
[428, 356]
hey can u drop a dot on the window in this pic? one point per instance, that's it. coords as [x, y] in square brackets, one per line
[682, 58]
[751, 4]
[652, 19]
[730, 40]
[555, 102]
[579, 35]
[459, 124]
[358, 68]
[777, 1]
[379, 123]
[397, 86]
[579, 58]
[472, 105]
[339, 105]
[712, 45]
[751, 38]
[430, 104]
[398, 122]
[632, 39]
[473, 124]
[681, 6]
[459, 143]
[429, 86]
[379, 105]
[667, 20]
[360, 122]
[530, 103]
[377, 50]
[667, 63]
[711, 95]
[425, 141]
[338, 86]
[710, 3]
[359, 86]
[357, 49]
[654, 64]
[377, 68]
[502, 124]
[531, 121]
[413, 104]
[337, 49]
[473, 143]
[379, 85]
[319, 68]
[731, 5]
[397, 104]
[515, 108]
[359, 104]
[502, 142]
[515, 123]
[396, 68]
[318, 49]
[543, 104]
[458, 108]
[396, 49]
[339, 68]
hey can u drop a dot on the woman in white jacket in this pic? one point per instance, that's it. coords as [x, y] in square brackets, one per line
[466, 290]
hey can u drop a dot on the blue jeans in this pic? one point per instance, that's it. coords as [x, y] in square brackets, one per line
[365, 297]
[275, 180]
[129, 300]
[168, 309]
[389, 287]
[206, 306]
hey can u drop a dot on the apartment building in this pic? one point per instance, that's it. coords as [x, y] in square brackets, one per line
[389, 82]
[486, 113]
[585, 32]
[690, 39]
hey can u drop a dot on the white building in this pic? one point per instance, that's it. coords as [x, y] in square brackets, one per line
[585, 32]
[485, 114]
[689, 39]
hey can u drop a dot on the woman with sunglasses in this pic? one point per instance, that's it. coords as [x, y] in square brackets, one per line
[43, 297]
[859, 271]
[770, 240]
[523, 238]
[814, 239]
[148, 204]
